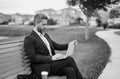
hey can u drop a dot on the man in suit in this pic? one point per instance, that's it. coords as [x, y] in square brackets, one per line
[40, 49]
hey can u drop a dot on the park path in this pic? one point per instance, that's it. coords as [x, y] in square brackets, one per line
[112, 69]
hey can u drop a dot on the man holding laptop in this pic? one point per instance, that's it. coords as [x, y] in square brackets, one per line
[40, 49]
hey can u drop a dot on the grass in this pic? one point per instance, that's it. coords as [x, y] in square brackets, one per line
[16, 30]
[91, 55]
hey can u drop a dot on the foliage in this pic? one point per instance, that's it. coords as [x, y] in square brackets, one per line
[51, 22]
[114, 13]
[89, 6]
[78, 21]
[4, 22]
[98, 22]
[115, 26]
[31, 23]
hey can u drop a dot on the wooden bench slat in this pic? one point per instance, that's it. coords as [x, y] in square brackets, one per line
[11, 67]
[12, 59]
[17, 52]
[15, 75]
[6, 64]
[12, 62]
[12, 40]
[10, 73]
[10, 49]
[9, 58]
[10, 45]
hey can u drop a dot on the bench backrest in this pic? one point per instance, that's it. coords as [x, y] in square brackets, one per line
[12, 58]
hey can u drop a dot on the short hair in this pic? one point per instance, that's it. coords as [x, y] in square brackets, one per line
[39, 17]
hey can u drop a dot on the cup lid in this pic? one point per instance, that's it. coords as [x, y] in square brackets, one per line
[44, 73]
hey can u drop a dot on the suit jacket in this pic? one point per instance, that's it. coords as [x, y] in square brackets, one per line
[38, 53]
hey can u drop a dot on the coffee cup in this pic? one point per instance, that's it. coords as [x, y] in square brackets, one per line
[44, 74]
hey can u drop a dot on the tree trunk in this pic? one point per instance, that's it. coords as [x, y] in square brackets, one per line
[88, 14]
[86, 30]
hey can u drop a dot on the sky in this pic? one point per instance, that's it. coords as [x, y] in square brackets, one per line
[30, 6]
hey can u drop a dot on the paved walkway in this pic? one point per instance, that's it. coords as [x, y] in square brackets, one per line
[112, 69]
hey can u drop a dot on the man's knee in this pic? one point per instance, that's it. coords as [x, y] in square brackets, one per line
[70, 73]
[70, 58]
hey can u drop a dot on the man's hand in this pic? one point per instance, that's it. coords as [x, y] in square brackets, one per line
[58, 56]
[75, 42]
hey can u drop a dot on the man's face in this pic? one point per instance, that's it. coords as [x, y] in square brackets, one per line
[40, 26]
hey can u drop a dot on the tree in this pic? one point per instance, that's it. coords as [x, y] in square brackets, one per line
[88, 7]
[51, 21]
[115, 12]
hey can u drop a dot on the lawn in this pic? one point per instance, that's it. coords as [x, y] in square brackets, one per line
[91, 55]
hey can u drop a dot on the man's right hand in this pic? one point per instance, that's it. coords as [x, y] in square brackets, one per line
[57, 57]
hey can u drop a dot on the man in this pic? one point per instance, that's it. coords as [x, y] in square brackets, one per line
[40, 49]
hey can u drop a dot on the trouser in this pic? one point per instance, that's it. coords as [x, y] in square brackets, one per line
[66, 67]
[61, 67]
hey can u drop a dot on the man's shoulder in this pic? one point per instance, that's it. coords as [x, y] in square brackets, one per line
[29, 36]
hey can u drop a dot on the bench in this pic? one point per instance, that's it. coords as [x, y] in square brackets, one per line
[13, 60]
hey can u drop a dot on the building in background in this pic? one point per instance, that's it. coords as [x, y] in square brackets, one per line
[4, 18]
[64, 16]
[18, 19]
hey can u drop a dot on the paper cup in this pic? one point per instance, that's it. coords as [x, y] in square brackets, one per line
[44, 74]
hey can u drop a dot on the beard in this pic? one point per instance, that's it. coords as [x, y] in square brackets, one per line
[41, 30]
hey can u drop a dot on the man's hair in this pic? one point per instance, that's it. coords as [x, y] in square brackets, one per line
[39, 17]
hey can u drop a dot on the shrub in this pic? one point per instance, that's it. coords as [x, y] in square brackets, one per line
[98, 22]
[78, 21]
[51, 22]
[5, 22]
[31, 23]
[115, 26]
